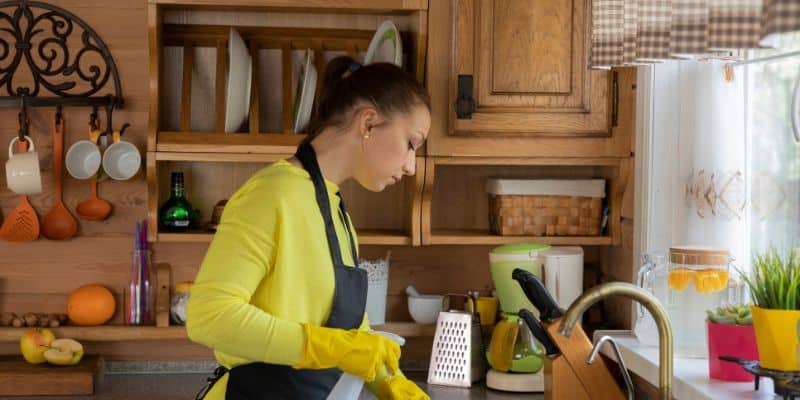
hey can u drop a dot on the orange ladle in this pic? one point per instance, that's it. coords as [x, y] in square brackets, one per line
[22, 224]
[58, 223]
[93, 208]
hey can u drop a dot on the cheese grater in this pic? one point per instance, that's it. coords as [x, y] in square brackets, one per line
[457, 355]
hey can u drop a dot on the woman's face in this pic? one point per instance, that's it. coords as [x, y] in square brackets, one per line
[389, 151]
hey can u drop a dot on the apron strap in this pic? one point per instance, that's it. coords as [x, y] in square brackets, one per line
[307, 156]
[349, 230]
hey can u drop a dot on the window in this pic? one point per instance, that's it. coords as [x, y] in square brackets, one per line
[718, 161]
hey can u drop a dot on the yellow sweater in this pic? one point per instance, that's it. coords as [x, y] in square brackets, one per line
[267, 271]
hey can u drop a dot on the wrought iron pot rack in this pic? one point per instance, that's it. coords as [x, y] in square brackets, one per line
[39, 34]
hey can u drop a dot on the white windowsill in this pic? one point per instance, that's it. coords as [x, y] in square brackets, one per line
[690, 379]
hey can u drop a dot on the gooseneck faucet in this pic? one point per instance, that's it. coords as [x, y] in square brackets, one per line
[633, 292]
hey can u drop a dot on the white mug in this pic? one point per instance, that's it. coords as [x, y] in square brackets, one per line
[22, 169]
[121, 160]
[83, 158]
[563, 273]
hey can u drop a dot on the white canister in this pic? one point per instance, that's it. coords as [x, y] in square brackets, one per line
[563, 273]
[377, 288]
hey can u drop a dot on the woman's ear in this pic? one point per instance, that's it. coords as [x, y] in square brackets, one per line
[365, 119]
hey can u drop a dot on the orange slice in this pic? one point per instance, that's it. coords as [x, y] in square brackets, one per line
[709, 281]
[679, 278]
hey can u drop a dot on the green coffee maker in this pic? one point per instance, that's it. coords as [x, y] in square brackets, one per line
[515, 356]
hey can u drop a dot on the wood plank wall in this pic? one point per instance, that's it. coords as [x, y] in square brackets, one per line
[38, 276]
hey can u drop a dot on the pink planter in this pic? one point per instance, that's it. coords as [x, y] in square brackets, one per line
[734, 341]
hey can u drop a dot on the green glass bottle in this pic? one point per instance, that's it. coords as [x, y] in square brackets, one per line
[176, 214]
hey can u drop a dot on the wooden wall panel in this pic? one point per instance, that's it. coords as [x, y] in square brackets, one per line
[41, 274]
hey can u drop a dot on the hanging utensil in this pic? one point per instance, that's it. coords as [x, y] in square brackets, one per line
[58, 223]
[93, 208]
[22, 224]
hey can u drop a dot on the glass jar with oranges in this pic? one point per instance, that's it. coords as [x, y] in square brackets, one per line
[696, 279]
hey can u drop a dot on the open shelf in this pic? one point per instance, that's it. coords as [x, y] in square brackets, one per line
[211, 177]
[372, 237]
[464, 179]
[119, 333]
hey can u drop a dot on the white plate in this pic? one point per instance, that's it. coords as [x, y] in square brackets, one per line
[240, 77]
[304, 93]
[386, 45]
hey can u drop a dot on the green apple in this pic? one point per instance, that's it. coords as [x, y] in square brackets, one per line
[64, 352]
[34, 342]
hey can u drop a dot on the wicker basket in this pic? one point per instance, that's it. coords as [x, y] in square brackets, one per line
[546, 207]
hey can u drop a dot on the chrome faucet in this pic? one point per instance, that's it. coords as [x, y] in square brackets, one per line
[625, 375]
[633, 292]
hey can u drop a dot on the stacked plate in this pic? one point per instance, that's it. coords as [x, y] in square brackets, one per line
[240, 77]
[385, 46]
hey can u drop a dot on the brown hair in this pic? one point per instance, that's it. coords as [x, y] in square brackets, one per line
[385, 86]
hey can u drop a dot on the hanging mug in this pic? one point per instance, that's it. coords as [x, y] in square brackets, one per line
[121, 160]
[83, 157]
[22, 169]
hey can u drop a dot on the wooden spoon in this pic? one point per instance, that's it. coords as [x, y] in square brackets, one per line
[22, 224]
[58, 223]
[93, 208]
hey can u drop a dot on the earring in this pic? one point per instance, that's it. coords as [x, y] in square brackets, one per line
[366, 136]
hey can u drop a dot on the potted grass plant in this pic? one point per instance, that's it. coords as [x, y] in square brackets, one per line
[730, 333]
[774, 285]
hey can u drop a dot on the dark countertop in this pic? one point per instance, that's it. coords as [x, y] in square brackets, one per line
[173, 386]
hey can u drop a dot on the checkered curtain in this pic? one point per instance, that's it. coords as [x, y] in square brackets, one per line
[632, 32]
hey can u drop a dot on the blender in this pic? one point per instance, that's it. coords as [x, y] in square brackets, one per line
[515, 356]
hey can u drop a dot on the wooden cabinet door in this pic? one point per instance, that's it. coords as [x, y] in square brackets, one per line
[518, 81]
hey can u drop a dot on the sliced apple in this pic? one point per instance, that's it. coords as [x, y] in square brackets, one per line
[64, 352]
[34, 342]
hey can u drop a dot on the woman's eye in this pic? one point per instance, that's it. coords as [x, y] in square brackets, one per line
[410, 146]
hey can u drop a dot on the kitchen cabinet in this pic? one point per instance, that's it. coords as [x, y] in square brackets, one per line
[188, 46]
[509, 78]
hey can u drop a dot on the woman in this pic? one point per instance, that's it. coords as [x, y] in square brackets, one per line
[279, 296]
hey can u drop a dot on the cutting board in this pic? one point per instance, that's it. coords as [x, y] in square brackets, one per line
[18, 378]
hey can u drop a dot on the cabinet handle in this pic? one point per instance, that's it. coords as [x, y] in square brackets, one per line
[614, 98]
[465, 103]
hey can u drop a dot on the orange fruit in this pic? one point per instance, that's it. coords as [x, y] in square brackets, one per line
[90, 305]
[710, 280]
[678, 278]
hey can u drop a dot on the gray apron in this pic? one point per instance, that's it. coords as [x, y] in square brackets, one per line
[261, 381]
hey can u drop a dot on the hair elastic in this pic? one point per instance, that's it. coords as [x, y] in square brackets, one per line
[353, 67]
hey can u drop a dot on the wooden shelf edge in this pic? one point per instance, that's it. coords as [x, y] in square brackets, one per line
[528, 161]
[103, 333]
[308, 5]
[211, 142]
[406, 329]
[120, 333]
[365, 237]
[485, 238]
[220, 157]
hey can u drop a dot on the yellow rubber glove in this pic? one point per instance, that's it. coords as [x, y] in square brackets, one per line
[398, 387]
[359, 353]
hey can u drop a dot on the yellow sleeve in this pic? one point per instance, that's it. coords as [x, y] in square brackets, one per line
[219, 313]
